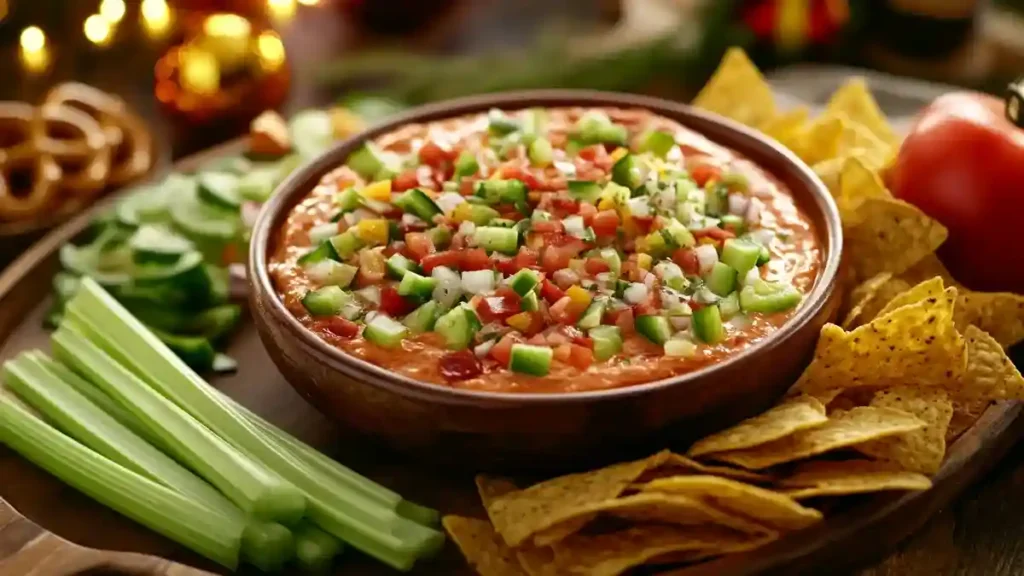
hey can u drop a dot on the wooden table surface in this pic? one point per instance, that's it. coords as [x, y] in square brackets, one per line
[982, 534]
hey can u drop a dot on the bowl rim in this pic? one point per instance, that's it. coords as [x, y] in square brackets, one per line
[300, 183]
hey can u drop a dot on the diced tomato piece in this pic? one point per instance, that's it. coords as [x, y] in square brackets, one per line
[474, 259]
[645, 309]
[625, 321]
[433, 155]
[557, 338]
[605, 223]
[644, 223]
[526, 258]
[550, 293]
[580, 357]
[419, 244]
[587, 211]
[595, 266]
[503, 264]
[342, 327]
[393, 304]
[498, 307]
[449, 258]
[460, 365]
[502, 351]
[591, 153]
[715, 233]
[537, 340]
[686, 258]
[563, 352]
[565, 205]
[367, 277]
[547, 226]
[556, 257]
[564, 312]
[467, 185]
[405, 181]
[702, 173]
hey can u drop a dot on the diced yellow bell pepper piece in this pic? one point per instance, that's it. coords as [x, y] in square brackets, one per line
[520, 321]
[618, 153]
[379, 191]
[655, 243]
[580, 298]
[373, 231]
[462, 212]
[644, 261]
[496, 176]
[606, 204]
[707, 240]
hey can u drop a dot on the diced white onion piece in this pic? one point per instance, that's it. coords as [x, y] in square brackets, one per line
[680, 348]
[587, 283]
[351, 310]
[604, 278]
[411, 219]
[680, 322]
[635, 293]
[449, 286]
[666, 198]
[568, 169]
[360, 214]
[574, 226]
[371, 294]
[649, 280]
[481, 350]
[707, 257]
[705, 296]
[467, 229]
[738, 322]
[667, 270]
[350, 218]
[565, 278]
[318, 234]
[376, 205]
[370, 316]
[639, 206]
[738, 204]
[752, 275]
[478, 281]
[763, 236]
[753, 214]
[449, 200]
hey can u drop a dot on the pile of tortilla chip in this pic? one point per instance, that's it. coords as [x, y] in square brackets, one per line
[916, 359]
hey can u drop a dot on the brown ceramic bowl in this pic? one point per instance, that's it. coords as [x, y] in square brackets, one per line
[547, 429]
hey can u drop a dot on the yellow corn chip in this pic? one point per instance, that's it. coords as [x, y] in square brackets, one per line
[862, 296]
[857, 141]
[965, 414]
[482, 547]
[678, 464]
[788, 126]
[659, 508]
[830, 172]
[890, 235]
[844, 429]
[764, 506]
[790, 416]
[827, 478]
[991, 374]
[737, 90]
[857, 182]
[521, 514]
[928, 289]
[921, 450]
[855, 101]
[536, 561]
[820, 141]
[1001, 314]
[929, 267]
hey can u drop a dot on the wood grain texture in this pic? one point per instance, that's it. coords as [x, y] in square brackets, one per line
[981, 534]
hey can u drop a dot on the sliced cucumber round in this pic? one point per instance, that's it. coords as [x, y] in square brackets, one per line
[202, 221]
[219, 189]
[158, 244]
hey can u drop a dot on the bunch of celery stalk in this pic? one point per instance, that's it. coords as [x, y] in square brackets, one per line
[116, 415]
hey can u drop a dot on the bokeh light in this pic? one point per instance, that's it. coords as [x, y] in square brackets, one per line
[112, 10]
[156, 17]
[270, 50]
[33, 53]
[281, 10]
[98, 30]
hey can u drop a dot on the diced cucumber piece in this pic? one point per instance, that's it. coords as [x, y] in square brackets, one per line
[617, 193]
[348, 199]
[500, 124]
[729, 306]
[345, 245]
[534, 122]
[503, 223]
[716, 200]
[607, 342]
[322, 252]
[151, 243]
[181, 269]
[219, 188]
[626, 172]
[195, 351]
[494, 239]
[457, 327]
[415, 286]
[584, 190]
[764, 256]
[680, 348]
[440, 236]
[466, 164]
[500, 191]
[203, 221]
[613, 260]
[479, 214]
[326, 301]
[678, 234]
[417, 202]
[318, 234]
[530, 302]
[707, 324]
[312, 132]
[655, 328]
[736, 224]
[398, 265]
[257, 185]
[331, 273]
[385, 331]
[721, 279]
[592, 316]
[741, 255]
[524, 281]
[656, 142]
[597, 128]
[540, 152]
[423, 318]
[369, 161]
[529, 359]
[769, 297]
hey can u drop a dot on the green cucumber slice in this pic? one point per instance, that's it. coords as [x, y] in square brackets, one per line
[741, 255]
[158, 244]
[656, 142]
[721, 279]
[398, 265]
[524, 281]
[707, 325]
[416, 287]
[219, 189]
[495, 239]
[530, 302]
[769, 297]
[532, 360]
[417, 202]
[655, 328]
[326, 301]
[607, 341]
[584, 190]
[423, 318]
[592, 315]
[466, 165]
[458, 327]
[203, 221]
[386, 332]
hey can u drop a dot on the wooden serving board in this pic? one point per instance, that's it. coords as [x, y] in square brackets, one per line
[863, 531]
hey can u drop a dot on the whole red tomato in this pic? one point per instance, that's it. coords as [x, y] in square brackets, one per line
[963, 164]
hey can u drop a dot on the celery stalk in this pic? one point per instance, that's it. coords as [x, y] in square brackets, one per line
[86, 423]
[166, 511]
[353, 517]
[254, 489]
[315, 550]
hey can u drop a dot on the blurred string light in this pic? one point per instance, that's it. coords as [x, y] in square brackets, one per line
[156, 17]
[227, 37]
[32, 49]
[199, 71]
[281, 10]
[270, 50]
[309, 2]
[98, 30]
[112, 10]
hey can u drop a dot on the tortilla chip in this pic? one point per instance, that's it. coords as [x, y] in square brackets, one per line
[857, 182]
[827, 478]
[921, 450]
[830, 172]
[790, 416]
[536, 561]
[991, 374]
[737, 90]
[820, 141]
[788, 126]
[889, 235]
[916, 344]
[862, 296]
[965, 414]
[844, 429]
[856, 141]
[658, 508]
[928, 289]
[482, 547]
[616, 552]
[1001, 314]
[678, 465]
[759, 504]
[855, 101]
[929, 267]
[519, 515]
